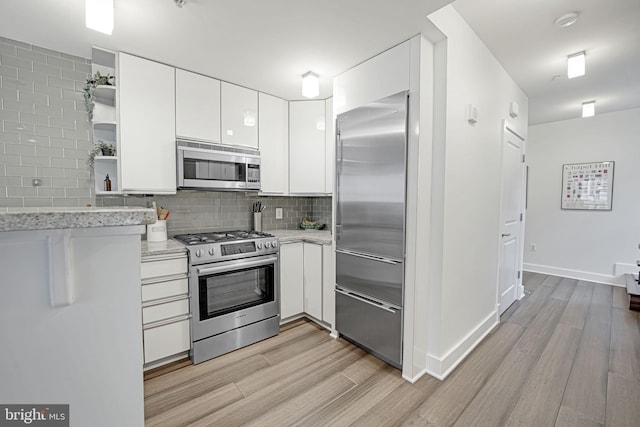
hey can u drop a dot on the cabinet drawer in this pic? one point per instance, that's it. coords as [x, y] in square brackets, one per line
[166, 340]
[168, 310]
[164, 289]
[165, 267]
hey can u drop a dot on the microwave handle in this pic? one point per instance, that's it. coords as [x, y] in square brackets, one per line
[240, 266]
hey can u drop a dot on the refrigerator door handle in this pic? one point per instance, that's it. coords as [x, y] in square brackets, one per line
[376, 304]
[371, 257]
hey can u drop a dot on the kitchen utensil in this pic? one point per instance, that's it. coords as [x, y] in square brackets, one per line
[163, 213]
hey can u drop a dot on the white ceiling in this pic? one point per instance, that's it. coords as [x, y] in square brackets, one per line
[261, 44]
[268, 44]
[522, 36]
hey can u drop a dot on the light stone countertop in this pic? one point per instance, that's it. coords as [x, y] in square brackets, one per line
[168, 247]
[316, 236]
[22, 219]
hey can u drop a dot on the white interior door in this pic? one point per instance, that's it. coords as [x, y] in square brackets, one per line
[512, 212]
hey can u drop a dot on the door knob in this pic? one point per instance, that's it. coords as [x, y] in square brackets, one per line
[506, 235]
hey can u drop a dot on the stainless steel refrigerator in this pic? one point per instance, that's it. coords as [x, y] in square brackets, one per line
[371, 146]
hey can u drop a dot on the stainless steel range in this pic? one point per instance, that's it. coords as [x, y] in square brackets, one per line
[234, 280]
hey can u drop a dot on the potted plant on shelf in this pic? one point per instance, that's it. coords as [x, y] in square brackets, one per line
[92, 82]
[101, 148]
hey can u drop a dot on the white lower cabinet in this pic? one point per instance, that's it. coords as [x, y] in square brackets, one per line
[307, 278]
[312, 281]
[165, 341]
[165, 308]
[328, 285]
[291, 278]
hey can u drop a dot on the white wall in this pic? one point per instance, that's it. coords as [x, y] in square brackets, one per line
[87, 354]
[583, 244]
[463, 286]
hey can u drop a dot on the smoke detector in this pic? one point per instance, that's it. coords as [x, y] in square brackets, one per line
[567, 19]
[180, 3]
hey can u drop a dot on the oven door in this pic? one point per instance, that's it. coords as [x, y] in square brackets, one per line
[230, 294]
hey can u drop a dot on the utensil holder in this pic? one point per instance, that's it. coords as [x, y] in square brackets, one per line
[157, 232]
[257, 221]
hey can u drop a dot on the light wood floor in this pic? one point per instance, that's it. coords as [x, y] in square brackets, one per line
[568, 354]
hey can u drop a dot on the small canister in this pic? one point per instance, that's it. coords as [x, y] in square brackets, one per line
[157, 232]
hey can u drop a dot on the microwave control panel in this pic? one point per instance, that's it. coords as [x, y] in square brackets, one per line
[253, 173]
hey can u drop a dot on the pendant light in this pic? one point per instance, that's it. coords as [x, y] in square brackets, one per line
[99, 15]
[310, 85]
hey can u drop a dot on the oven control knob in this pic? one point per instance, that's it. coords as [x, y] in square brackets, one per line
[198, 252]
[212, 251]
[259, 245]
[267, 245]
[274, 244]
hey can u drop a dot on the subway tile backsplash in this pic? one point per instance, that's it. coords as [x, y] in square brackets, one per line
[198, 211]
[44, 127]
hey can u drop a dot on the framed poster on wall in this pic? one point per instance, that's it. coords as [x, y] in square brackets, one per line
[587, 186]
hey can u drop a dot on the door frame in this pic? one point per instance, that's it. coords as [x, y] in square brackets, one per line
[508, 128]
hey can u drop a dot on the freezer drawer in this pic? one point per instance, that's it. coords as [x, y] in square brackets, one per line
[376, 278]
[376, 329]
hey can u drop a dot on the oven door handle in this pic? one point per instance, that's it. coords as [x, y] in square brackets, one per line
[237, 266]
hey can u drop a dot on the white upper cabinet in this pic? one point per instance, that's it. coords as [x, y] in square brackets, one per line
[197, 107]
[147, 126]
[330, 147]
[239, 115]
[307, 156]
[273, 130]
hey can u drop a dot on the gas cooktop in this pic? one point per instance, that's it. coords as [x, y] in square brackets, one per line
[222, 236]
[227, 245]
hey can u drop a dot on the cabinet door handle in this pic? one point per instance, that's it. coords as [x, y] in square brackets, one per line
[376, 304]
[166, 322]
[369, 257]
[506, 234]
[159, 301]
[163, 279]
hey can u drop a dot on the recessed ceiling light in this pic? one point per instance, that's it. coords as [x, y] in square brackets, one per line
[567, 19]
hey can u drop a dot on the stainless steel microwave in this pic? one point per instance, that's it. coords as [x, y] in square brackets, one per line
[215, 167]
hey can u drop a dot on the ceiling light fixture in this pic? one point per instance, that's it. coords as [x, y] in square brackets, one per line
[310, 85]
[589, 109]
[99, 15]
[566, 20]
[576, 65]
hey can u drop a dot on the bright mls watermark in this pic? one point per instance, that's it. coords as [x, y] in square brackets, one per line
[34, 415]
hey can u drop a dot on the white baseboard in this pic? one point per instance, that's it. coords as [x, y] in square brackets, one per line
[441, 367]
[412, 380]
[415, 372]
[576, 274]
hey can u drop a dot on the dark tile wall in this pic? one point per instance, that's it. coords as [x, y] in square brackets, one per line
[197, 211]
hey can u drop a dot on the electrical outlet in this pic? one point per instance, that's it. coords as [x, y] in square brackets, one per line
[278, 213]
[533, 247]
